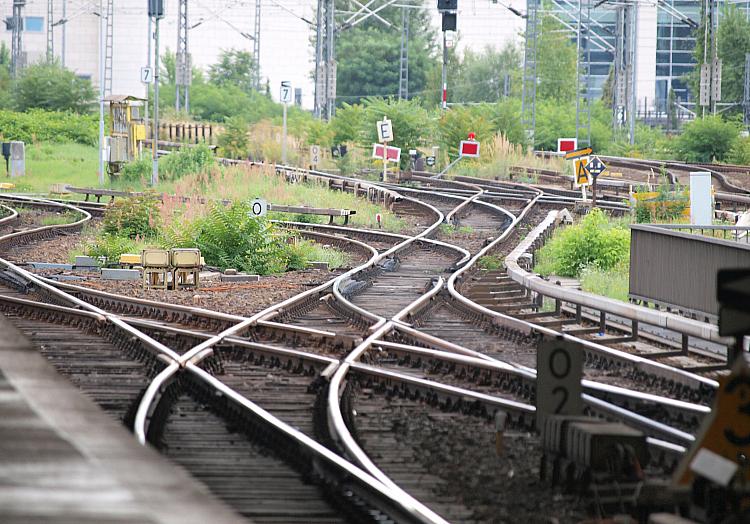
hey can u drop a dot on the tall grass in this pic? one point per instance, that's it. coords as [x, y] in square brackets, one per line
[246, 182]
[499, 155]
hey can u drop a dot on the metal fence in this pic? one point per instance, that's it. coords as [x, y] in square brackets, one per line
[675, 265]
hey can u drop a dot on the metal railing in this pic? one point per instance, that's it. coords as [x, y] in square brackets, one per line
[675, 265]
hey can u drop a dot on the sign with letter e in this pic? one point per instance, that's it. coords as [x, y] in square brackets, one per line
[385, 130]
[559, 364]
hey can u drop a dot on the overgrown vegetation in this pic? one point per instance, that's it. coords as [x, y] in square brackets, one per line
[596, 241]
[227, 235]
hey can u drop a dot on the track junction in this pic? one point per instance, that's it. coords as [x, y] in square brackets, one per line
[347, 402]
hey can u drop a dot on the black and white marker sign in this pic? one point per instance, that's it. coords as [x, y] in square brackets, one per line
[559, 364]
[385, 130]
[147, 75]
[286, 95]
[258, 208]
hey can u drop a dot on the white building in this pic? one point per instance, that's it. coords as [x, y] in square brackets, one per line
[286, 51]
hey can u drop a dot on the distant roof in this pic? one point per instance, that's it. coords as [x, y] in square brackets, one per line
[122, 98]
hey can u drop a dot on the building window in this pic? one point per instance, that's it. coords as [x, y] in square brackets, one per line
[34, 24]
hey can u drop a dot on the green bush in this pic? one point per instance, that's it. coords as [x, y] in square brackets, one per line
[592, 242]
[740, 152]
[133, 217]
[229, 237]
[110, 247]
[186, 161]
[37, 125]
[50, 86]
[137, 171]
[234, 141]
[707, 139]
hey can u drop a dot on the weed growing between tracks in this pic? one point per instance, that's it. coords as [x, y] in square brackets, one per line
[246, 182]
[499, 155]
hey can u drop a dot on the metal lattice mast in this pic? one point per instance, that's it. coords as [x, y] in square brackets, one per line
[403, 79]
[256, 45]
[183, 67]
[16, 62]
[109, 47]
[746, 93]
[528, 100]
[50, 33]
[583, 74]
[624, 62]
[319, 64]
[330, 59]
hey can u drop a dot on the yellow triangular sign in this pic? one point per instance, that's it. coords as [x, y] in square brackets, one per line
[725, 433]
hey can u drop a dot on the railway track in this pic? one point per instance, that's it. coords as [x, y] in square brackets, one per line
[331, 387]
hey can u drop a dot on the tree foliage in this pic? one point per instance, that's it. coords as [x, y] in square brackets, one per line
[235, 68]
[707, 139]
[52, 87]
[411, 123]
[556, 62]
[733, 43]
[368, 56]
[480, 77]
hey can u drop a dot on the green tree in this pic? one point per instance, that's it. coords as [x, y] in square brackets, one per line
[733, 43]
[556, 62]
[234, 141]
[707, 139]
[6, 100]
[52, 87]
[368, 55]
[456, 124]
[236, 68]
[480, 77]
[411, 123]
[348, 123]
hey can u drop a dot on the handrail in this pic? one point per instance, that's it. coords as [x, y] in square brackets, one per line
[615, 307]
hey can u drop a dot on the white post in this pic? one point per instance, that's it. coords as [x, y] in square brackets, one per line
[385, 162]
[283, 139]
[701, 208]
[155, 138]
[101, 92]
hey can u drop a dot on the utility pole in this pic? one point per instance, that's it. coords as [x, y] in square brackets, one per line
[156, 10]
[50, 33]
[623, 110]
[403, 80]
[64, 25]
[710, 72]
[319, 72]
[447, 9]
[149, 37]
[330, 61]
[183, 63]
[16, 63]
[102, 149]
[583, 74]
[444, 75]
[256, 45]
[528, 98]
[109, 47]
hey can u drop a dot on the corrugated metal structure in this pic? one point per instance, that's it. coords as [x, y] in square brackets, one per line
[678, 269]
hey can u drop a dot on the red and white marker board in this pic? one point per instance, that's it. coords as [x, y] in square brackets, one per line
[394, 153]
[469, 148]
[566, 144]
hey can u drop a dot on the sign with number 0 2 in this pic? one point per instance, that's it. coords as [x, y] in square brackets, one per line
[559, 364]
